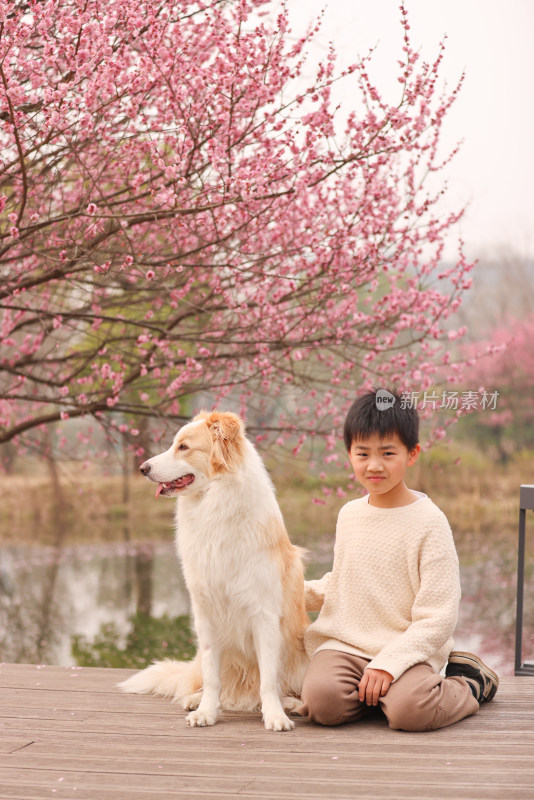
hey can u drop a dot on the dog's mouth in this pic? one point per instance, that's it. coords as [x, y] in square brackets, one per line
[174, 486]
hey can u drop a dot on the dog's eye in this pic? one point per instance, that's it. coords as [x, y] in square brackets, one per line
[183, 447]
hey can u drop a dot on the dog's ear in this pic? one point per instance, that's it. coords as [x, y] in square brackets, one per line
[228, 436]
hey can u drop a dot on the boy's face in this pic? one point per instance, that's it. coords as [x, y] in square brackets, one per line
[380, 465]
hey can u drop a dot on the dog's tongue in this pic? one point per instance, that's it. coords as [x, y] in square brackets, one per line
[179, 483]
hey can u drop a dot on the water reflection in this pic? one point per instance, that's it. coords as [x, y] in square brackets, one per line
[126, 604]
[51, 595]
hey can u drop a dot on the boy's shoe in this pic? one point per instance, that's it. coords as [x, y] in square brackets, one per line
[482, 681]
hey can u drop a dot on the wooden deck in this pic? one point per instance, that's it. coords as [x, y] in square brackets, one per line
[69, 733]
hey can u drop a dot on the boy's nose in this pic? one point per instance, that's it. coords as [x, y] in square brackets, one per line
[375, 466]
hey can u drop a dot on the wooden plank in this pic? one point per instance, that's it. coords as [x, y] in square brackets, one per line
[105, 785]
[519, 772]
[127, 782]
[307, 752]
[102, 724]
[91, 701]
[167, 747]
[27, 676]
[361, 792]
[499, 731]
[98, 725]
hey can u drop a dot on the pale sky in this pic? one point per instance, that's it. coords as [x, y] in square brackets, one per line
[492, 41]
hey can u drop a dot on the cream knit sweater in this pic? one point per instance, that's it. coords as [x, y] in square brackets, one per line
[394, 589]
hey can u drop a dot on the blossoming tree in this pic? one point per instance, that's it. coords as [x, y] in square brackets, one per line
[182, 213]
[505, 359]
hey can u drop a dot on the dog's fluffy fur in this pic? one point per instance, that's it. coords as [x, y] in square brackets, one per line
[244, 576]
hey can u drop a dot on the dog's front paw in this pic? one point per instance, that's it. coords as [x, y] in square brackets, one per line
[291, 704]
[191, 701]
[199, 719]
[278, 722]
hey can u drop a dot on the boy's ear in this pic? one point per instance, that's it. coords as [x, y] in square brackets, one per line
[414, 454]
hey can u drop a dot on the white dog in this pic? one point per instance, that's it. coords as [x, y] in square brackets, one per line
[244, 576]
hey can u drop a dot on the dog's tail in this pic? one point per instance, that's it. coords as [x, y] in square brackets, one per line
[175, 679]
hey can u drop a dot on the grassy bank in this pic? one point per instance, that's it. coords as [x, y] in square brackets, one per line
[478, 498]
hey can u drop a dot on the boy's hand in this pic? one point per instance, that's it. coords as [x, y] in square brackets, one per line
[374, 684]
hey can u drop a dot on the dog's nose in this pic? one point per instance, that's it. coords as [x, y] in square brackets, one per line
[145, 468]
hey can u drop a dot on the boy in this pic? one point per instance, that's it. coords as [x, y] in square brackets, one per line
[389, 606]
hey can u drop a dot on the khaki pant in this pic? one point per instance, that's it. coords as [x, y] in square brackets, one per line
[420, 700]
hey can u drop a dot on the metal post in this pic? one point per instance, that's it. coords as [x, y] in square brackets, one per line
[526, 502]
[520, 590]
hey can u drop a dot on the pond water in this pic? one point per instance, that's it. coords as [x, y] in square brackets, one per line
[126, 604]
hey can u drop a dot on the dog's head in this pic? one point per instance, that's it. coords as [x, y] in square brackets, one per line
[210, 445]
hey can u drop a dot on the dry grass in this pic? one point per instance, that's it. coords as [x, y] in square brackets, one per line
[92, 510]
[477, 496]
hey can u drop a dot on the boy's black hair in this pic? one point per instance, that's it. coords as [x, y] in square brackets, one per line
[365, 418]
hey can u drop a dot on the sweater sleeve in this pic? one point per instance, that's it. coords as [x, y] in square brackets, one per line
[314, 592]
[435, 609]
